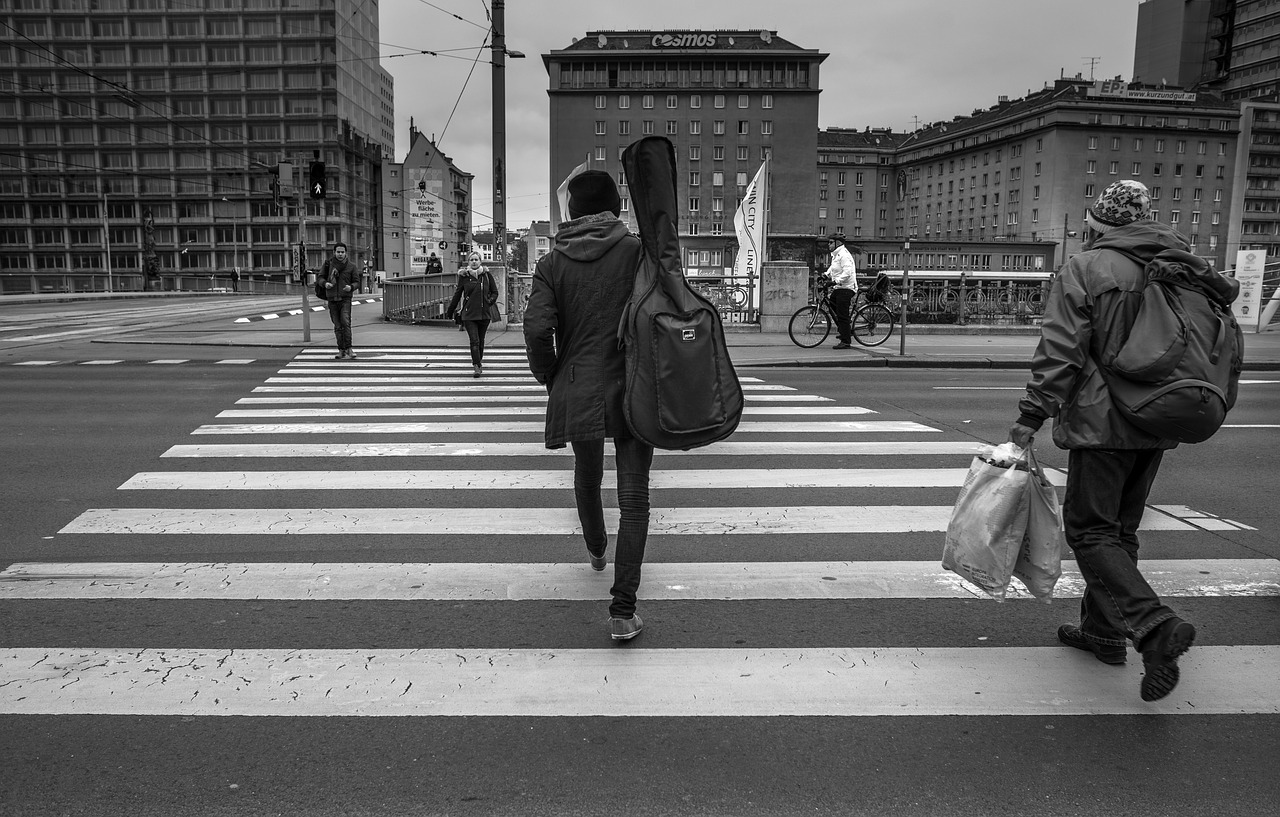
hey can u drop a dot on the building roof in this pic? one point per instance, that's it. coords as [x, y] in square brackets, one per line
[682, 41]
[868, 139]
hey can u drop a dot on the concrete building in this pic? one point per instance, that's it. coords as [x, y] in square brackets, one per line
[725, 98]
[1027, 169]
[537, 241]
[426, 210]
[1174, 42]
[857, 190]
[144, 135]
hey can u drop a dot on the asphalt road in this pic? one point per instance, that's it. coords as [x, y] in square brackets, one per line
[76, 432]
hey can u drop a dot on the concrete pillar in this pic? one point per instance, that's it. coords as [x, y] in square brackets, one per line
[784, 288]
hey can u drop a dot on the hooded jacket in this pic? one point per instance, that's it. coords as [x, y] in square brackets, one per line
[577, 298]
[1087, 318]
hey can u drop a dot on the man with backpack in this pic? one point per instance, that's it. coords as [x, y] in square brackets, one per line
[1112, 463]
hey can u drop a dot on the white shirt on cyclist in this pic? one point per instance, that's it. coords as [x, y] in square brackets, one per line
[842, 272]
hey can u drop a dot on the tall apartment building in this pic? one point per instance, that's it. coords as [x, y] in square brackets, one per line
[1027, 169]
[426, 210]
[725, 98]
[142, 134]
[1174, 43]
[857, 182]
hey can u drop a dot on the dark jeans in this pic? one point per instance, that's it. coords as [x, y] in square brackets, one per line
[1106, 494]
[633, 459]
[842, 305]
[340, 314]
[475, 334]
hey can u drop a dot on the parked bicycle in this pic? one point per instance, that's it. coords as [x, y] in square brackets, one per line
[873, 321]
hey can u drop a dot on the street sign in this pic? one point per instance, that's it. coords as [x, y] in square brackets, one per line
[1249, 269]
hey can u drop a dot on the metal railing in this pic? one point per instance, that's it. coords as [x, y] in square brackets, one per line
[991, 303]
[734, 297]
[67, 282]
[417, 298]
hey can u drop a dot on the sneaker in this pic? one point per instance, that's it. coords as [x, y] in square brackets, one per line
[351, 354]
[842, 345]
[340, 355]
[1160, 657]
[1070, 635]
[625, 629]
[476, 371]
[597, 562]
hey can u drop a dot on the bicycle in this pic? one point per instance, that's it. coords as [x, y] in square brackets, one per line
[872, 323]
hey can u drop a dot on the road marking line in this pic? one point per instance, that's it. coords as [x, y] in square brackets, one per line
[37, 363]
[1252, 425]
[505, 410]
[154, 362]
[538, 427]
[237, 362]
[543, 521]
[980, 388]
[439, 377]
[465, 396]
[549, 480]
[663, 581]
[446, 385]
[840, 681]
[489, 449]
[100, 362]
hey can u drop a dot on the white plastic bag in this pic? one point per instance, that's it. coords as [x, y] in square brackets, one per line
[1039, 561]
[988, 524]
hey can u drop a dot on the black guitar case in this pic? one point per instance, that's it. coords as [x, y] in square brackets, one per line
[682, 391]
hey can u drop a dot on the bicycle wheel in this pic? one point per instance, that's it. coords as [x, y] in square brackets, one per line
[872, 325]
[809, 327]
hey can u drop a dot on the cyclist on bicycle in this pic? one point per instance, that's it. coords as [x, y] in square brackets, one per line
[844, 277]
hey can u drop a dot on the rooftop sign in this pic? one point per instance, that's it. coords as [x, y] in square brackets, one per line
[690, 40]
[1113, 88]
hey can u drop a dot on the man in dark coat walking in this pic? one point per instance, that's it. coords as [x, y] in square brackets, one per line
[340, 279]
[1112, 463]
[570, 328]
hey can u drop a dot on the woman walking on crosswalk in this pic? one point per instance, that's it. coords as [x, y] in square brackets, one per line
[473, 299]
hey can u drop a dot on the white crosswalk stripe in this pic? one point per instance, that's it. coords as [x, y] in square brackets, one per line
[852, 490]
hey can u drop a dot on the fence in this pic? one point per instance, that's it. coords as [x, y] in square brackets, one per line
[417, 298]
[985, 302]
[36, 283]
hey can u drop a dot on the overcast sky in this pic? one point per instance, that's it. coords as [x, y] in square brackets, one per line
[891, 64]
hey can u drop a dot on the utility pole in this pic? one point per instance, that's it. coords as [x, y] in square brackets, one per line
[500, 54]
[106, 234]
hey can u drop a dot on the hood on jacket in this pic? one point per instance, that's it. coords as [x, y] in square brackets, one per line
[1141, 240]
[1148, 241]
[590, 237]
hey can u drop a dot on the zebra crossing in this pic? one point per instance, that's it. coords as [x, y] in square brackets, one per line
[468, 461]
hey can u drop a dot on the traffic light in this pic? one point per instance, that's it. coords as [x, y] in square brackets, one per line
[318, 184]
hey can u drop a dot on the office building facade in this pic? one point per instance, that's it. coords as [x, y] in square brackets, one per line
[726, 100]
[426, 210]
[141, 136]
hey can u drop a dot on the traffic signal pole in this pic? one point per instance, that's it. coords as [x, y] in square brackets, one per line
[302, 267]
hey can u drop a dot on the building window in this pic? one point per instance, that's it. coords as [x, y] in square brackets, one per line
[1137, 144]
[695, 178]
[673, 127]
[1155, 193]
[1182, 146]
[1037, 170]
[601, 155]
[695, 127]
[694, 203]
[1089, 191]
[624, 101]
[1115, 142]
[646, 127]
[1113, 168]
[1093, 143]
[717, 153]
[672, 101]
[822, 212]
[1137, 169]
[695, 153]
[766, 101]
[695, 101]
[1159, 146]
[742, 180]
[744, 153]
[600, 102]
[718, 100]
[766, 128]
[600, 127]
[1175, 216]
[624, 127]
[647, 101]
[717, 127]
[744, 127]
[744, 101]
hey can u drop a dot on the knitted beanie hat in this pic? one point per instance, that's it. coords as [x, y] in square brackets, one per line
[591, 192]
[1122, 203]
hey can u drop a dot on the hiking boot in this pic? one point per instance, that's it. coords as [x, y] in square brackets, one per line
[1070, 635]
[1160, 652]
[625, 629]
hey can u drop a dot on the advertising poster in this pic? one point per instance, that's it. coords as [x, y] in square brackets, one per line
[1249, 268]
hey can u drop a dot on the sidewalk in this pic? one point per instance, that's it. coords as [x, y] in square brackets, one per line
[976, 347]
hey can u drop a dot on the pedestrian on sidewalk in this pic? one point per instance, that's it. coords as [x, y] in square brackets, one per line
[340, 279]
[843, 274]
[473, 298]
[570, 332]
[1111, 463]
